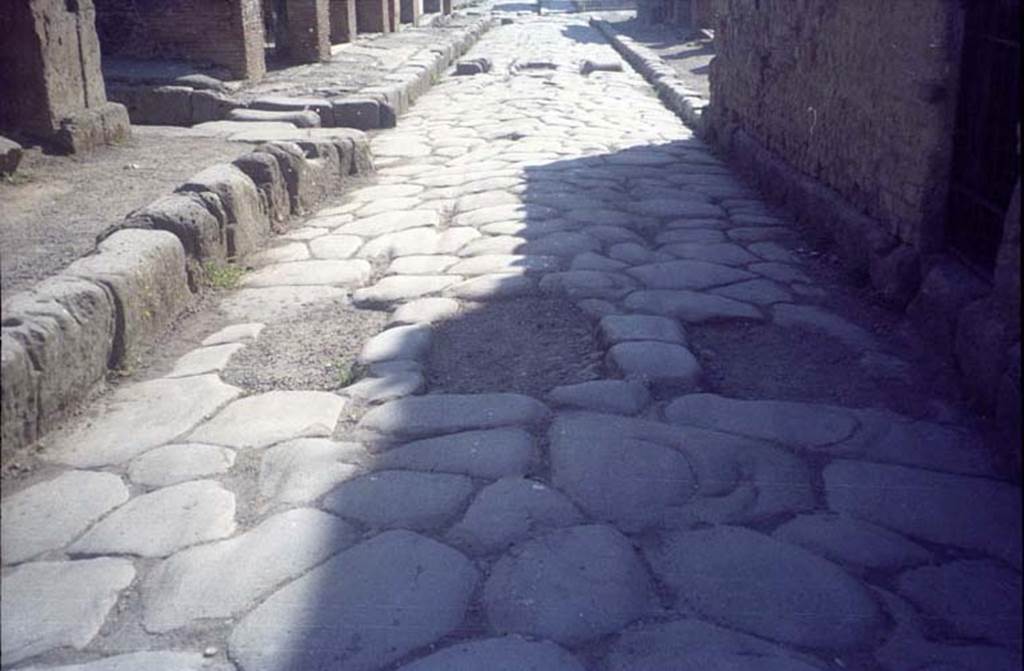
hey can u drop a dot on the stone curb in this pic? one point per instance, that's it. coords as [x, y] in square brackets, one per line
[61, 337]
[373, 107]
[687, 104]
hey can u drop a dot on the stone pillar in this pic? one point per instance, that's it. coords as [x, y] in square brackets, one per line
[446, 6]
[372, 16]
[309, 31]
[51, 86]
[394, 12]
[412, 10]
[431, 6]
[343, 21]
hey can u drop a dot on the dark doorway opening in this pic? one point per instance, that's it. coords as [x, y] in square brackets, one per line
[986, 157]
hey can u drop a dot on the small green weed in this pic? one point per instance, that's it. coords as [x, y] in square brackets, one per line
[223, 276]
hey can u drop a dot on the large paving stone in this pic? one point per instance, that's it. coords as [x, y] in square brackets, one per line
[724, 253]
[350, 273]
[660, 363]
[387, 387]
[615, 475]
[812, 318]
[852, 542]
[626, 397]
[976, 599]
[760, 292]
[136, 661]
[587, 284]
[966, 512]
[509, 653]
[162, 522]
[221, 579]
[301, 470]
[48, 605]
[622, 328]
[425, 311]
[509, 511]
[49, 515]
[204, 360]
[390, 222]
[421, 264]
[335, 247]
[399, 342]
[690, 306]
[487, 264]
[373, 604]
[795, 424]
[688, 274]
[265, 419]
[493, 287]
[396, 288]
[448, 413]
[140, 417]
[695, 645]
[491, 454]
[401, 499]
[569, 585]
[171, 464]
[748, 581]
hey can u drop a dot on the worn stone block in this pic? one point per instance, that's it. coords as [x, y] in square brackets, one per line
[321, 106]
[145, 271]
[94, 127]
[361, 113]
[197, 219]
[10, 156]
[163, 106]
[248, 219]
[211, 106]
[301, 119]
[265, 172]
[18, 398]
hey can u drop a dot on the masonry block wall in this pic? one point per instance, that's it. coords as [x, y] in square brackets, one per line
[309, 31]
[411, 10]
[343, 20]
[859, 96]
[226, 33]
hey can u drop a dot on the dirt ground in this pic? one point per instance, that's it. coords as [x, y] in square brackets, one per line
[51, 211]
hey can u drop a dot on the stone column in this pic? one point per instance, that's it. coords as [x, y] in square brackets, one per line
[412, 10]
[431, 6]
[446, 6]
[343, 21]
[309, 31]
[51, 86]
[372, 16]
[394, 12]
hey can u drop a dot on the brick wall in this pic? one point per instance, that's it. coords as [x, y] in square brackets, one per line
[858, 95]
[228, 33]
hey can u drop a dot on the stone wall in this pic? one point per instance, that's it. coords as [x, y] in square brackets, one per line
[858, 95]
[228, 33]
[309, 31]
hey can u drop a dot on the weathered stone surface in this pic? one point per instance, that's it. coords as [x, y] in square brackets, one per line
[162, 522]
[399, 342]
[621, 328]
[425, 311]
[224, 578]
[277, 303]
[189, 217]
[569, 585]
[592, 261]
[335, 246]
[509, 653]
[133, 661]
[247, 215]
[815, 319]
[587, 284]
[493, 287]
[805, 425]
[49, 515]
[490, 454]
[305, 469]
[660, 363]
[723, 253]
[47, 605]
[973, 597]
[748, 581]
[418, 241]
[687, 274]
[204, 360]
[265, 419]
[171, 464]
[851, 542]
[509, 511]
[390, 222]
[386, 387]
[698, 645]
[401, 499]
[761, 292]
[486, 264]
[10, 156]
[447, 413]
[626, 397]
[140, 417]
[421, 264]
[690, 306]
[937, 507]
[350, 273]
[287, 252]
[374, 603]
[234, 333]
[616, 473]
[395, 288]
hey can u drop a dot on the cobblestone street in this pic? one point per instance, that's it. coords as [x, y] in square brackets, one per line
[612, 412]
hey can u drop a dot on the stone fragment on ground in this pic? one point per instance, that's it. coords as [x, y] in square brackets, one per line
[659, 363]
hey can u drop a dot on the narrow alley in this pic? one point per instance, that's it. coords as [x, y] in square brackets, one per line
[555, 389]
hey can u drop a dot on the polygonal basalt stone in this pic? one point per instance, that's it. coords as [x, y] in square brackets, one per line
[626, 397]
[51, 514]
[400, 342]
[48, 605]
[659, 363]
[447, 413]
[509, 653]
[372, 604]
[163, 660]
[220, 579]
[348, 273]
[692, 307]
[688, 274]
[748, 581]
[491, 454]
[852, 542]
[511, 510]
[162, 522]
[171, 464]
[265, 419]
[622, 328]
[570, 585]
[204, 360]
[305, 469]
[401, 499]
